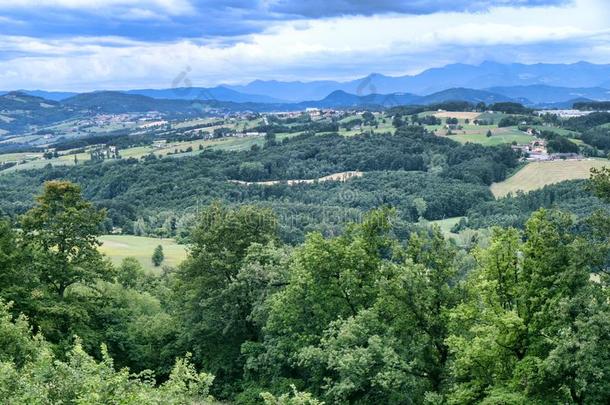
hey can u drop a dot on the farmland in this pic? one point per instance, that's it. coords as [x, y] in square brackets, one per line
[536, 175]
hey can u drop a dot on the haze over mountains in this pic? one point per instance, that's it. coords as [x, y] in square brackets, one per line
[541, 85]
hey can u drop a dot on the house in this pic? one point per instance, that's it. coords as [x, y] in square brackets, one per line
[313, 112]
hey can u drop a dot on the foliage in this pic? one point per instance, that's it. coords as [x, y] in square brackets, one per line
[220, 285]
[159, 197]
[509, 108]
[525, 335]
[586, 122]
[158, 256]
[30, 374]
[598, 137]
[374, 313]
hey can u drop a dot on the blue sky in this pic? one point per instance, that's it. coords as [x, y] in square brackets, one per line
[115, 44]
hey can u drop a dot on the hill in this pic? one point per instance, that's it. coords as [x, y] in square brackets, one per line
[20, 111]
[462, 94]
[48, 95]
[117, 102]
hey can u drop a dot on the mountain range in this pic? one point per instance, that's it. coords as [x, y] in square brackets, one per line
[486, 76]
[538, 85]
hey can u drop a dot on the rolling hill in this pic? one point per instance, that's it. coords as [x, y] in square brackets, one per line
[19, 111]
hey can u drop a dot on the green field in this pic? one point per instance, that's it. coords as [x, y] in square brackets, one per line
[118, 247]
[446, 224]
[536, 175]
[499, 136]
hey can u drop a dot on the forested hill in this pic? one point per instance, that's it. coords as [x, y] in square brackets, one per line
[399, 169]
[365, 317]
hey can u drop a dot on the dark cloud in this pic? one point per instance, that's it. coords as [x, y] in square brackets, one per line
[330, 8]
[224, 19]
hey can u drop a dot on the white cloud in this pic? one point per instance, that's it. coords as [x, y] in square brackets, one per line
[331, 48]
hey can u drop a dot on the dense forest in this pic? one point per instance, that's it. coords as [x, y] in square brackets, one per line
[160, 196]
[369, 316]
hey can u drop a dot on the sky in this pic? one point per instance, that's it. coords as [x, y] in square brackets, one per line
[76, 45]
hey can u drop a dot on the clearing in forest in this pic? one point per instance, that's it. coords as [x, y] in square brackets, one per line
[118, 247]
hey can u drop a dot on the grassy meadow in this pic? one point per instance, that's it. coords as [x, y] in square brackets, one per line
[118, 247]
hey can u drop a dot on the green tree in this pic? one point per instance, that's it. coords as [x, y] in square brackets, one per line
[210, 284]
[61, 233]
[15, 283]
[600, 183]
[527, 332]
[158, 256]
[329, 279]
[130, 272]
[30, 373]
[62, 229]
[420, 207]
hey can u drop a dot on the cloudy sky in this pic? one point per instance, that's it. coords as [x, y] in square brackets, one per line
[119, 44]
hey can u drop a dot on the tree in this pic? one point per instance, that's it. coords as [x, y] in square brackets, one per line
[397, 121]
[270, 139]
[15, 283]
[60, 233]
[420, 206]
[158, 256]
[130, 272]
[527, 333]
[600, 183]
[29, 372]
[215, 305]
[62, 229]
[329, 280]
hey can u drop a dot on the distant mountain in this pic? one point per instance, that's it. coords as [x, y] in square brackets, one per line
[48, 95]
[545, 95]
[115, 102]
[219, 93]
[342, 99]
[462, 94]
[537, 85]
[484, 76]
[20, 111]
[290, 91]
[17, 100]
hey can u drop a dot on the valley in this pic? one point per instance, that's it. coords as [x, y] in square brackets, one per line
[304, 203]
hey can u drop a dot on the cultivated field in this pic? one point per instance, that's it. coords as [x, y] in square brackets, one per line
[536, 175]
[118, 247]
